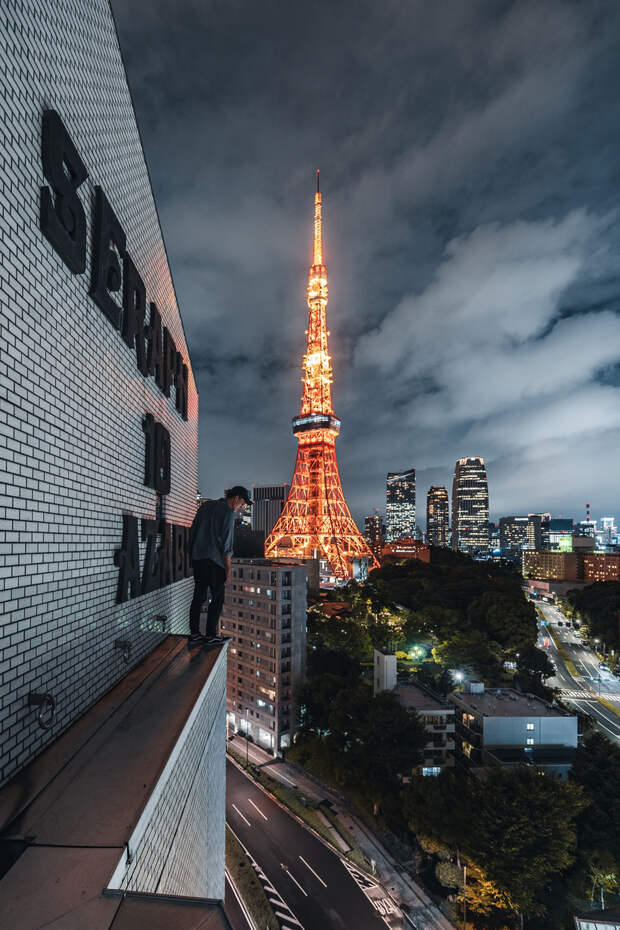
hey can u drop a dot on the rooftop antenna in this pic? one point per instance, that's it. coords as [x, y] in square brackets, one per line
[318, 190]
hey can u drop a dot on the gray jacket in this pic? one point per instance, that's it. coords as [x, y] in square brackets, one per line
[211, 533]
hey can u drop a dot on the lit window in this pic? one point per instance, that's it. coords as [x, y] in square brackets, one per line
[530, 726]
[431, 770]
[530, 741]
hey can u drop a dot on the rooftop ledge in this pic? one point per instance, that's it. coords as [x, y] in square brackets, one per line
[76, 815]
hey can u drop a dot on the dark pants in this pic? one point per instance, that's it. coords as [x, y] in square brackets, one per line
[207, 576]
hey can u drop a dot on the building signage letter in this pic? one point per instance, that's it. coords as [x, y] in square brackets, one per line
[109, 244]
[62, 217]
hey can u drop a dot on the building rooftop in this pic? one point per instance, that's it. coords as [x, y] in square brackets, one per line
[506, 702]
[66, 818]
[413, 697]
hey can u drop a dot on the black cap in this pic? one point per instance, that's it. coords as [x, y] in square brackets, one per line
[239, 491]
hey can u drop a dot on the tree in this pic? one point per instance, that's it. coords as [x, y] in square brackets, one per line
[596, 768]
[516, 825]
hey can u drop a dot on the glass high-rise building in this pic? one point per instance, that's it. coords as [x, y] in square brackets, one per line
[400, 504]
[437, 516]
[269, 501]
[470, 507]
[374, 533]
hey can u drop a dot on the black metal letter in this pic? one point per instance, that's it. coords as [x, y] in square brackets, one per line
[162, 459]
[154, 353]
[178, 552]
[128, 560]
[106, 268]
[148, 425]
[170, 362]
[189, 568]
[165, 555]
[150, 569]
[62, 217]
[134, 310]
[180, 381]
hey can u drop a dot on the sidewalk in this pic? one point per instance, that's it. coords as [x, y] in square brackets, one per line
[416, 903]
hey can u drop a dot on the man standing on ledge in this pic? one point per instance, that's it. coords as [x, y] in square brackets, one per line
[211, 547]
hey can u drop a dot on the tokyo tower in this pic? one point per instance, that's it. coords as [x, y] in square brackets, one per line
[315, 521]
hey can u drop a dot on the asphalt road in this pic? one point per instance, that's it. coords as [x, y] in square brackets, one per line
[317, 890]
[581, 691]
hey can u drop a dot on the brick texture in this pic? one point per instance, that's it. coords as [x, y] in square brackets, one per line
[71, 397]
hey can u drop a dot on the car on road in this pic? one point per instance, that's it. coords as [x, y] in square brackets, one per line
[585, 642]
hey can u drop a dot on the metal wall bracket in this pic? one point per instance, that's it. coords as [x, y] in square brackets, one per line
[125, 646]
[47, 708]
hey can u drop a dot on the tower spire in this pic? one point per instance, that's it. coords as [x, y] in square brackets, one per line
[315, 521]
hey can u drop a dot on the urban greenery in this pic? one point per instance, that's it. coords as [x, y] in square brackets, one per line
[247, 881]
[537, 849]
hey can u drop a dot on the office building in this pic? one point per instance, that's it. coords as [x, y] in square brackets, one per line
[400, 504]
[436, 715]
[438, 719]
[374, 534]
[470, 507]
[501, 726]
[265, 614]
[518, 534]
[269, 501]
[112, 732]
[437, 517]
[553, 566]
[559, 529]
[601, 566]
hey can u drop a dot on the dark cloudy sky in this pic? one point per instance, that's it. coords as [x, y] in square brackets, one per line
[470, 167]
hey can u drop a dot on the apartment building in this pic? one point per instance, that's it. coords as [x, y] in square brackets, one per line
[265, 616]
[437, 716]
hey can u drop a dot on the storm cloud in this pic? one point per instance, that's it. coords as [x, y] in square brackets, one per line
[469, 166]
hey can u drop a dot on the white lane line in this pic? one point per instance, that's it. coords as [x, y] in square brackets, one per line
[258, 809]
[292, 877]
[241, 815]
[313, 872]
[597, 719]
[288, 918]
[279, 774]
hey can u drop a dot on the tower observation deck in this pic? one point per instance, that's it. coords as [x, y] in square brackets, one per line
[316, 521]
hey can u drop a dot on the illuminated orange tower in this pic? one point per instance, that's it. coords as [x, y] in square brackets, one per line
[315, 521]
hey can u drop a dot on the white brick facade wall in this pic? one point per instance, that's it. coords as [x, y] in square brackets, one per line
[178, 844]
[71, 397]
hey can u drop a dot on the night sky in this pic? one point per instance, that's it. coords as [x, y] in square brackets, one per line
[470, 171]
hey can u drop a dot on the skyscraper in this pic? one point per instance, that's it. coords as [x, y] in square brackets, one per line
[316, 522]
[269, 500]
[400, 504]
[374, 533]
[437, 516]
[470, 506]
[519, 533]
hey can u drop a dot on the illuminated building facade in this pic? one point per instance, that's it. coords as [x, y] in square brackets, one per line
[470, 507]
[519, 533]
[600, 566]
[406, 548]
[265, 616]
[553, 566]
[437, 517]
[269, 500]
[374, 534]
[400, 504]
[315, 521]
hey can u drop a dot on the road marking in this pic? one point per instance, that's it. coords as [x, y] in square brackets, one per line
[614, 733]
[288, 918]
[241, 815]
[313, 872]
[292, 877]
[280, 775]
[258, 809]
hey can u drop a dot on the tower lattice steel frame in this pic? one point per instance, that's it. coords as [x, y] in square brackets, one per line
[316, 521]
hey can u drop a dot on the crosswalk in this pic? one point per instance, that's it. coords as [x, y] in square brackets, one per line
[589, 696]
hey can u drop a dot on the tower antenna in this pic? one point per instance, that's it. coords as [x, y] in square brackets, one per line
[318, 190]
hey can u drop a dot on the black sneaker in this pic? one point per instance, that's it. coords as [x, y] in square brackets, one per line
[195, 639]
[213, 640]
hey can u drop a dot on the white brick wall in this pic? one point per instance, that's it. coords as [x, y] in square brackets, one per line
[177, 847]
[71, 397]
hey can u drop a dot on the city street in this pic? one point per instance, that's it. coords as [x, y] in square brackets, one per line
[583, 690]
[313, 887]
